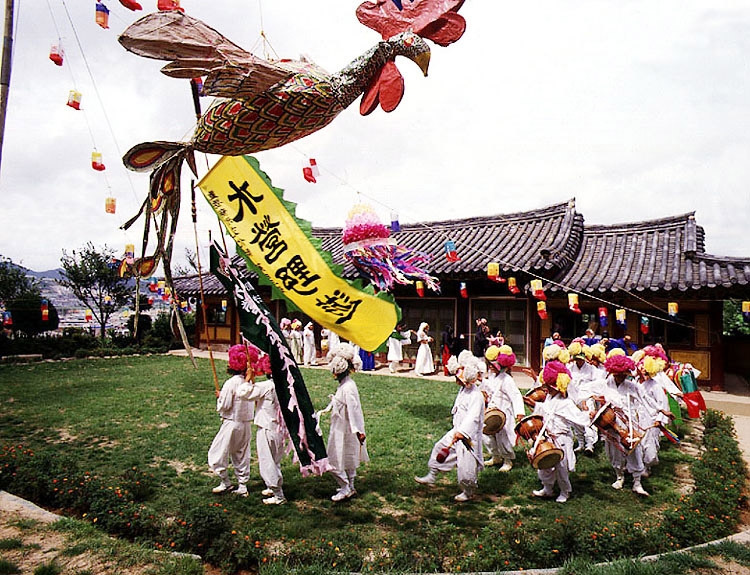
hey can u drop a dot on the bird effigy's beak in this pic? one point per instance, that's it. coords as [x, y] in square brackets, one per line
[423, 61]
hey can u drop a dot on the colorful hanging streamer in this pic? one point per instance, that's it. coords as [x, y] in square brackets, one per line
[573, 302]
[621, 317]
[603, 316]
[538, 290]
[450, 251]
[513, 286]
[541, 309]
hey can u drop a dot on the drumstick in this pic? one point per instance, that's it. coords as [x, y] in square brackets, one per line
[630, 421]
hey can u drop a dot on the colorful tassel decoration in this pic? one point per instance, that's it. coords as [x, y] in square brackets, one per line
[603, 316]
[368, 246]
[513, 286]
[644, 324]
[541, 309]
[450, 251]
[621, 317]
[537, 289]
[464, 292]
[573, 302]
[673, 309]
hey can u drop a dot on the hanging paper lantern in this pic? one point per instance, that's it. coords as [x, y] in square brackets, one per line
[160, 288]
[74, 99]
[464, 292]
[620, 317]
[110, 205]
[169, 5]
[167, 294]
[56, 54]
[7, 318]
[311, 171]
[513, 286]
[131, 5]
[45, 310]
[96, 161]
[223, 305]
[107, 300]
[369, 247]
[603, 317]
[644, 324]
[746, 311]
[130, 254]
[493, 271]
[573, 302]
[184, 307]
[537, 290]
[395, 224]
[88, 315]
[102, 15]
[152, 285]
[450, 251]
[541, 309]
[126, 313]
[150, 300]
[420, 288]
[673, 309]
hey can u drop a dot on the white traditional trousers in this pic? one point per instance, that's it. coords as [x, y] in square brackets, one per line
[231, 442]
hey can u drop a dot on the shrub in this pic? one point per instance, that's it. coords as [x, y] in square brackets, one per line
[8, 567]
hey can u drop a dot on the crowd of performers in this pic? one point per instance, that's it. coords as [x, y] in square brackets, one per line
[584, 395]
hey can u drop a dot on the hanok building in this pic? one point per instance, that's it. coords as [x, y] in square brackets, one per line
[639, 267]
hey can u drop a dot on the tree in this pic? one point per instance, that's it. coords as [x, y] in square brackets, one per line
[90, 275]
[27, 314]
[734, 323]
[14, 282]
[192, 264]
[144, 320]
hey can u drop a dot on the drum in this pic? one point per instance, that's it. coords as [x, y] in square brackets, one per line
[606, 421]
[546, 456]
[534, 395]
[443, 454]
[494, 421]
[529, 427]
[324, 345]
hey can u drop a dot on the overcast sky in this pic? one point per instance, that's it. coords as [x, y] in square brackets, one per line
[638, 109]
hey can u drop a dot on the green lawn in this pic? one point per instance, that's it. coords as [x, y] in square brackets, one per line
[112, 414]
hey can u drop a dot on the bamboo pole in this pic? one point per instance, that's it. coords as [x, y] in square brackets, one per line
[5, 70]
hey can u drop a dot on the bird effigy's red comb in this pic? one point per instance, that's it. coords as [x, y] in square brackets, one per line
[436, 20]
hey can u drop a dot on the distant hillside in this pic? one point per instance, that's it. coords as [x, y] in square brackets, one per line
[52, 274]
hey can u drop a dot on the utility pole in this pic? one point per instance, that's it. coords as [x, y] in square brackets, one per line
[5, 70]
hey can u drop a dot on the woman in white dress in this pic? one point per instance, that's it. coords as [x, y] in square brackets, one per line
[424, 364]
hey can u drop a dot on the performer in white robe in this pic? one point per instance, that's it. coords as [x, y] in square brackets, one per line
[234, 436]
[597, 359]
[400, 337]
[501, 392]
[286, 330]
[622, 392]
[461, 447]
[560, 414]
[424, 364]
[308, 345]
[582, 376]
[269, 436]
[296, 341]
[347, 446]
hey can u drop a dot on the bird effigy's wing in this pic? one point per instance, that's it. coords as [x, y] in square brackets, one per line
[196, 49]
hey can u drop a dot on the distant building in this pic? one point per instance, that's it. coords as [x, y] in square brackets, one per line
[640, 266]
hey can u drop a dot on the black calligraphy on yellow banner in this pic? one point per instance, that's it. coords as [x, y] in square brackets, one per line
[242, 196]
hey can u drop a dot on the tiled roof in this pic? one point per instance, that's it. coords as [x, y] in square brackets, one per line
[657, 255]
[537, 240]
[189, 286]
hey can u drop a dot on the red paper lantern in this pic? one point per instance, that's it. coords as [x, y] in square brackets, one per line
[464, 292]
[573, 302]
[537, 290]
[513, 286]
[420, 288]
[56, 54]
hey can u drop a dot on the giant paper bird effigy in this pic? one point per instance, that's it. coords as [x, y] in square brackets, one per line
[266, 104]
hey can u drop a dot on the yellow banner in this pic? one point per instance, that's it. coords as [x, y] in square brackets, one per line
[255, 216]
